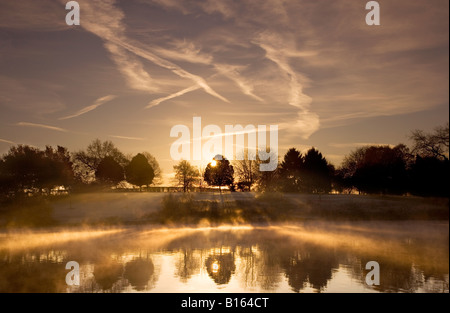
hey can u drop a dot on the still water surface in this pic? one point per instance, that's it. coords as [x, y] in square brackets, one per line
[329, 257]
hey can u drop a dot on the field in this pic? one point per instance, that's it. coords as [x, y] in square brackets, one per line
[214, 209]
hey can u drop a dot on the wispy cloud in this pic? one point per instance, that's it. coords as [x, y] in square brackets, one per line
[307, 122]
[232, 72]
[7, 141]
[25, 124]
[105, 21]
[128, 138]
[158, 101]
[96, 104]
[357, 144]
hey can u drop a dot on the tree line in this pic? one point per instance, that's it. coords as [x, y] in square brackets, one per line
[28, 170]
[421, 170]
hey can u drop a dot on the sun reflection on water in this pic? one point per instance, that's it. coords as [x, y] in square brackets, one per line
[283, 258]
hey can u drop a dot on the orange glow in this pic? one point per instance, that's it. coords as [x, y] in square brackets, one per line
[215, 267]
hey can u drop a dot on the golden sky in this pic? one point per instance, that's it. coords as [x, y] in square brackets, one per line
[134, 69]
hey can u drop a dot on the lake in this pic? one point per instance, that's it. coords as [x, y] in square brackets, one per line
[308, 257]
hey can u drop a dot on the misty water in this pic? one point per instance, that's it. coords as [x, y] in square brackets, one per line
[312, 257]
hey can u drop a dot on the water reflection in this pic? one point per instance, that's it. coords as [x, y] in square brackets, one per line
[309, 258]
[220, 265]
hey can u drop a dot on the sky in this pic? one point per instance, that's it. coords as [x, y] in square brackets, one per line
[134, 69]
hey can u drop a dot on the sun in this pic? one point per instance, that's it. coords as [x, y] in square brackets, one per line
[213, 163]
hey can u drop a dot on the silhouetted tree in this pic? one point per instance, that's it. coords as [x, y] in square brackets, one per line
[290, 171]
[139, 172]
[157, 180]
[220, 174]
[429, 176]
[246, 170]
[377, 169]
[435, 145]
[316, 173]
[186, 174]
[86, 162]
[109, 171]
[59, 167]
[26, 168]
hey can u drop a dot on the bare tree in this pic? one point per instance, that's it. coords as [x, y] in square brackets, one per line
[246, 170]
[186, 174]
[434, 144]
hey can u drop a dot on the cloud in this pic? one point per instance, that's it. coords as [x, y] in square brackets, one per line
[128, 138]
[25, 124]
[132, 69]
[106, 21]
[7, 141]
[357, 144]
[232, 72]
[275, 48]
[158, 101]
[97, 103]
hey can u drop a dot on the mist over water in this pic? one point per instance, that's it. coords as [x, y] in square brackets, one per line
[312, 257]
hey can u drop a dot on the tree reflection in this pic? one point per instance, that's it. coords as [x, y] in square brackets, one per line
[258, 267]
[310, 264]
[220, 267]
[139, 272]
[31, 274]
[107, 274]
[187, 265]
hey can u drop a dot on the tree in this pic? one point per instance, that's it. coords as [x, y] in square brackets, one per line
[246, 170]
[29, 169]
[109, 171]
[186, 174]
[59, 167]
[316, 173]
[434, 145]
[429, 177]
[377, 169]
[157, 180]
[219, 172]
[139, 172]
[290, 171]
[86, 162]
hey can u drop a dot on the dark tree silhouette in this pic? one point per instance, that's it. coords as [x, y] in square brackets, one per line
[290, 171]
[29, 169]
[109, 171]
[157, 180]
[139, 172]
[429, 177]
[435, 145]
[186, 174]
[86, 162]
[377, 169]
[316, 173]
[246, 170]
[220, 174]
